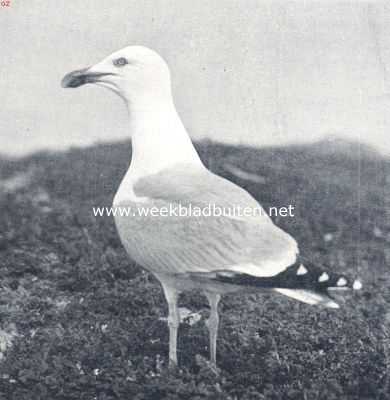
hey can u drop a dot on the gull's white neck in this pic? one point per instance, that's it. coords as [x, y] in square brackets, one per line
[159, 141]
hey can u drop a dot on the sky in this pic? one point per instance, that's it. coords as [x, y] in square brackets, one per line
[250, 72]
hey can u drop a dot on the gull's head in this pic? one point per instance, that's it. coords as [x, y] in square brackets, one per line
[135, 73]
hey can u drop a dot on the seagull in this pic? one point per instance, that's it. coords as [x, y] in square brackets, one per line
[216, 253]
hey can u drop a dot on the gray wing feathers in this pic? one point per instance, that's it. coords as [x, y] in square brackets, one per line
[252, 245]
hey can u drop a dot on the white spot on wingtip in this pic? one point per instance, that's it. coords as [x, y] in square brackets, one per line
[328, 237]
[357, 285]
[301, 270]
[341, 282]
[324, 277]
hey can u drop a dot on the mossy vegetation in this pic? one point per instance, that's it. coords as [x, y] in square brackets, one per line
[78, 320]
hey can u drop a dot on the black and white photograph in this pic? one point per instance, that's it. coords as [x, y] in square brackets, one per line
[194, 200]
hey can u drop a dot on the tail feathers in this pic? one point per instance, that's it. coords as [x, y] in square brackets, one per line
[302, 281]
[309, 297]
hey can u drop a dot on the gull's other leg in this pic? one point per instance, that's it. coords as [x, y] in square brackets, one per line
[171, 296]
[212, 324]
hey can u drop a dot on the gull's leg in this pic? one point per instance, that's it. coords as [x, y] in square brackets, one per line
[173, 321]
[212, 324]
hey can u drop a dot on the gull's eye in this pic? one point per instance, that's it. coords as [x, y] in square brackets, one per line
[120, 62]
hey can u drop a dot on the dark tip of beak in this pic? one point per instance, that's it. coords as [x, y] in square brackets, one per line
[75, 78]
[80, 77]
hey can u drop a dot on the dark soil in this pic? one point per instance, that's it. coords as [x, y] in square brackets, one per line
[78, 320]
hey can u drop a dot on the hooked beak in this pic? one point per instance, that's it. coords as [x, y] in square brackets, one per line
[82, 76]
